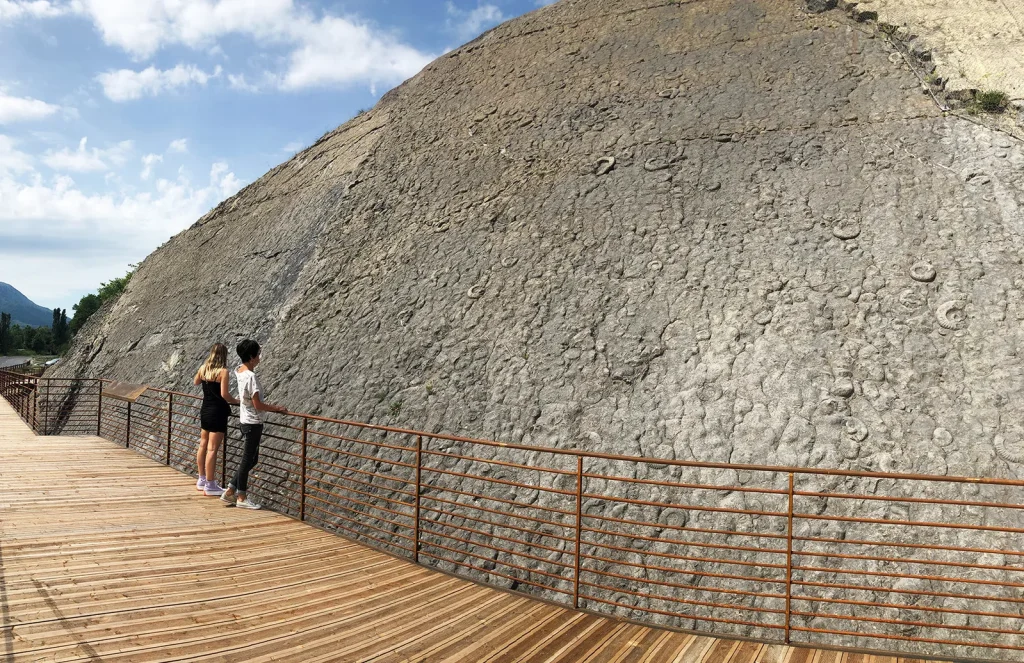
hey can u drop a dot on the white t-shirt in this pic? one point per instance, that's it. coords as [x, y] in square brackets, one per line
[248, 385]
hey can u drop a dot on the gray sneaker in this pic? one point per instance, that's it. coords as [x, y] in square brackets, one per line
[247, 504]
[228, 500]
[213, 490]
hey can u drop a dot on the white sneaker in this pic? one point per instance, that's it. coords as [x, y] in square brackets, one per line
[247, 504]
[212, 489]
[229, 500]
[201, 484]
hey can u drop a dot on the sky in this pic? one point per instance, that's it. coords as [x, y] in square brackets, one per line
[124, 121]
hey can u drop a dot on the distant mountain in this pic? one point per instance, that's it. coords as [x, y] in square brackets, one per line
[22, 309]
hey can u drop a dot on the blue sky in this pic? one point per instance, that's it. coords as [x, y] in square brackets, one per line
[124, 121]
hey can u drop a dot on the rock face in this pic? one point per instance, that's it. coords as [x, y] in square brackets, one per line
[727, 230]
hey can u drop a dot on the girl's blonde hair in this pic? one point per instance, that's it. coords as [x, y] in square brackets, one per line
[217, 360]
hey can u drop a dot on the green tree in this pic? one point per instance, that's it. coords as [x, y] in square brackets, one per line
[83, 309]
[60, 329]
[5, 333]
[112, 289]
[89, 304]
[42, 342]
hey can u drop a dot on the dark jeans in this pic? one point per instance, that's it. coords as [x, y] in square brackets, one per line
[251, 434]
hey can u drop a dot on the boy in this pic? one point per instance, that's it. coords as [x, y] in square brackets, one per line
[251, 404]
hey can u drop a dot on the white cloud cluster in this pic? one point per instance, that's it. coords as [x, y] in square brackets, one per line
[22, 109]
[324, 50]
[467, 24]
[128, 85]
[12, 10]
[79, 237]
[148, 162]
[86, 160]
[12, 160]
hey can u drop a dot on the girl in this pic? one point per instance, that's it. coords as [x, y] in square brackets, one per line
[213, 416]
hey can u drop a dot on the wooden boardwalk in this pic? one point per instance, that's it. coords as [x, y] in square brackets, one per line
[108, 556]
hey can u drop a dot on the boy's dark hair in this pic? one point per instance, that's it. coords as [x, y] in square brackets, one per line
[248, 350]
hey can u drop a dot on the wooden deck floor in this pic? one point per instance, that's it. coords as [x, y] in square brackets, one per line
[108, 556]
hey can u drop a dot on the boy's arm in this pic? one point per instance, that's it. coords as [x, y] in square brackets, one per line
[225, 393]
[266, 407]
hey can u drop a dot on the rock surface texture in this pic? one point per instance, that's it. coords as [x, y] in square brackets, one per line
[725, 230]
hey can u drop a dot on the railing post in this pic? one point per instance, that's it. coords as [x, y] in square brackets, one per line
[46, 411]
[224, 461]
[99, 409]
[579, 531]
[789, 560]
[128, 428]
[416, 502]
[170, 425]
[302, 486]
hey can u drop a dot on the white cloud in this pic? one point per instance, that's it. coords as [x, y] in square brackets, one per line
[180, 146]
[11, 10]
[293, 147]
[23, 109]
[148, 162]
[324, 49]
[75, 239]
[12, 160]
[471, 23]
[128, 85]
[85, 160]
[239, 82]
[337, 51]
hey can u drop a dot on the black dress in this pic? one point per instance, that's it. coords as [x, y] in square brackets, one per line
[215, 411]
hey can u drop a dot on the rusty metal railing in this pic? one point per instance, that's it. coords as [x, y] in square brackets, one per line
[926, 565]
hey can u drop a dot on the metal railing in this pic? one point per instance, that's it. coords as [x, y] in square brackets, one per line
[927, 565]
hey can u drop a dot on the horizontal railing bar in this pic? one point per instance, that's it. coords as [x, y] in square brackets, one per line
[510, 565]
[916, 576]
[503, 538]
[698, 588]
[683, 528]
[689, 572]
[311, 460]
[905, 638]
[373, 459]
[341, 477]
[673, 599]
[495, 512]
[913, 608]
[685, 558]
[382, 519]
[681, 615]
[491, 522]
[491, 461]
[687, 507]
[910, 592]
[312, 486]
[909, 500]
[897, 560]
[922, 546]
[424, 553]
[910, 523]
[549, 509]
[314, 498]
[497, 549]
[503, 482]
[906, 622]
[676, 484]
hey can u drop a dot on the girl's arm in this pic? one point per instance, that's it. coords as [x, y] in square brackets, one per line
[225, 393]
[266, 407]
[197, 380]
